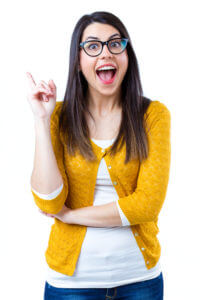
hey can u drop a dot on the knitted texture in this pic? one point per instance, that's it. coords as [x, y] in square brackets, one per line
[141, 189]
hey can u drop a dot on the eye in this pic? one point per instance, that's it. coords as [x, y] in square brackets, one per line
[115, 44]
[93, 46]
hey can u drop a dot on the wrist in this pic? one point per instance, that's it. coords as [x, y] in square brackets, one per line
[42, 121]
[69, 217]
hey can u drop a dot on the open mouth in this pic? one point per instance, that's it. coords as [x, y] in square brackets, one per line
[106, 76]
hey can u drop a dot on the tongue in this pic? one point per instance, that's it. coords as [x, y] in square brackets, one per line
[106, 75]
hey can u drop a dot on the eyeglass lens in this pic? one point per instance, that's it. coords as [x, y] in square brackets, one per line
[114, 45]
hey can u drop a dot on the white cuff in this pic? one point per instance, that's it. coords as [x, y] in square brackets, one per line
[50, 196]
[125, 221]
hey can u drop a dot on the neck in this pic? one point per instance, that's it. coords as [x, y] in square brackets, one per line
[103, 105]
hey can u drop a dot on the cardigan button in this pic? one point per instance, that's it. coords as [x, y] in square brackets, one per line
[115, 182]
[142, 249]
[103, 150]
[136, 234]
[109, 167]
[147, 262]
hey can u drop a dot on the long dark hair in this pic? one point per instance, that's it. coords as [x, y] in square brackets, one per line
[72, 121]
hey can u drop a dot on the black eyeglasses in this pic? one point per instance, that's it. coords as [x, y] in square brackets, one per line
[95, 47]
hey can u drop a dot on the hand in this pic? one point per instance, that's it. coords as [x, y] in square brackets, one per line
[63, 215]
[42, 97]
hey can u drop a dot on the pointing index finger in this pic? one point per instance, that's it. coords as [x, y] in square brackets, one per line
[31, 80]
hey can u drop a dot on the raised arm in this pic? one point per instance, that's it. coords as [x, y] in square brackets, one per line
[48, 171]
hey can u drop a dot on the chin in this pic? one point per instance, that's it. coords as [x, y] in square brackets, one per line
[104, 90]
[108, 92]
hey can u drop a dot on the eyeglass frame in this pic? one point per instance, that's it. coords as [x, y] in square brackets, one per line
[102, 45]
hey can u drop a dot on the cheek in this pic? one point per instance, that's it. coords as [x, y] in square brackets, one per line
[125, 62]
[123, 65]
[87, 65]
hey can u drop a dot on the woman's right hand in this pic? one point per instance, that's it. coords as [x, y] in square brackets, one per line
[42, 97]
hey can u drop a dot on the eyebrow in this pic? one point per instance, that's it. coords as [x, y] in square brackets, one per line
[96, 38]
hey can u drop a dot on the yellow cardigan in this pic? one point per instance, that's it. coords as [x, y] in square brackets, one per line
[141, 189]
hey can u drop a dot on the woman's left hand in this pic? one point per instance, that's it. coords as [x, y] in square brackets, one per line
[63, 215]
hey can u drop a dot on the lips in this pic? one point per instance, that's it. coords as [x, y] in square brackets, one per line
[106, 75]
[106, 65]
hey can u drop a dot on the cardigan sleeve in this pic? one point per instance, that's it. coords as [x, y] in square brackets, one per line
[145, 203]
[55, 205]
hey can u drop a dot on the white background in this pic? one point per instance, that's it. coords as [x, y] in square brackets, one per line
[35, 37]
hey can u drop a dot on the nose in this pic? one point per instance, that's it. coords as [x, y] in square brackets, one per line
[105, 52]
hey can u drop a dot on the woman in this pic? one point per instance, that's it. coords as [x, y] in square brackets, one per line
[101, 170]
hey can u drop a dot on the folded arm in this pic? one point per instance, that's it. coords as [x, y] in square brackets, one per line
[145, 203]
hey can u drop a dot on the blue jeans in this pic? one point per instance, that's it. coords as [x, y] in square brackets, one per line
[151, 289]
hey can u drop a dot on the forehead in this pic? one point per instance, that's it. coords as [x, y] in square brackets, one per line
[101, 31]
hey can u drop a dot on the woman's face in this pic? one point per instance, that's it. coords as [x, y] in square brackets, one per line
[89, 65]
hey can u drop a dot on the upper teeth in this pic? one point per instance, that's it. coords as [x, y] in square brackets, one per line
[106, 68]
